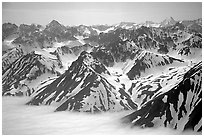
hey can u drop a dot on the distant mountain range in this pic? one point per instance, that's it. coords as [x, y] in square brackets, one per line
[68, 31]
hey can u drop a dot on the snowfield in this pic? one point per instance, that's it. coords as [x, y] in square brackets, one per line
[20, 119]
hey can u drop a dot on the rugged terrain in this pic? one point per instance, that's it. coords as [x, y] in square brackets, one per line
[153, 69]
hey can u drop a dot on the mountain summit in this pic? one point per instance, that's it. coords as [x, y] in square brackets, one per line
[168, 22]
[84, 87]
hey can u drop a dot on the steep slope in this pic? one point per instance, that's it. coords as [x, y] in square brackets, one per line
[23, 75]
[36, 36]
[28, 30]
[118, 51]
[179, 108]
[147, 88]
[146, 61]
[168, 22]
[64, 54]
[86, 31]
[191, 47]
[195, 27]
[85, 87]
[10, 57]
[8, 29]
[57, 32]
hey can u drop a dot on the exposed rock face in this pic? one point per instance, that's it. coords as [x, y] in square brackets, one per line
[24, 70]
[144, 89]
[10, 57]
[84, 87]
[168, 22]
[8, 29]
[195, 27]
[190, 44]
[147, 60]
[179, 108]
[118, 51]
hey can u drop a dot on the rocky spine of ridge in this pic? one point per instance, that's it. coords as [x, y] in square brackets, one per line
[179, 108]
[84, 87]
[147, 60]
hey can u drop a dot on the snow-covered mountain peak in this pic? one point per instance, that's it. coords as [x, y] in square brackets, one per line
[54, 23]
[91, 63]
[168, 22]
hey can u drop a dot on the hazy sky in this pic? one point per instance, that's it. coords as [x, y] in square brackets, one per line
[97, 13]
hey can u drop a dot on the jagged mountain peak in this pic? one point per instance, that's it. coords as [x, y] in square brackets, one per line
[86, 59]
[84, 87]
[55, 24]
[168, 22]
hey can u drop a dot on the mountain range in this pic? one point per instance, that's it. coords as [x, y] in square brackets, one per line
[152, 69]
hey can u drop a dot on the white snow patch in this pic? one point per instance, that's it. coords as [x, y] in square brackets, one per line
[45, 53]
[105, 31]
